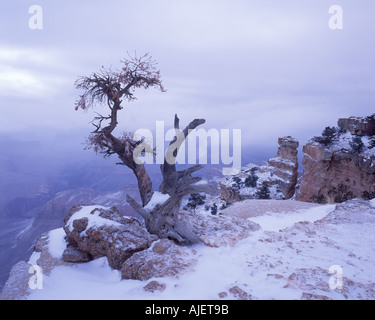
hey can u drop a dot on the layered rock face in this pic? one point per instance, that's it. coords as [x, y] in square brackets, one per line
[358, 126]
[285, 165]
[279, 177]
[340, 172]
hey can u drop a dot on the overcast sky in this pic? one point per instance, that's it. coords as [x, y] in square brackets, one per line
[269, 67]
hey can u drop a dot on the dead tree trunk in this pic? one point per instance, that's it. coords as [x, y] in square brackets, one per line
[111, 87]
[125, 150]
[163, 219]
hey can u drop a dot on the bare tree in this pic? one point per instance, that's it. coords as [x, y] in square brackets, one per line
[111, 88]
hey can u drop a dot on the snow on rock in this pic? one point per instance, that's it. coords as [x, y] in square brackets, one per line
[92, 215]
[275, 180]
[164, 258]
[16, 287]
[220, 230]
[100, 231]
[57, 243]
[47, 255]
[316, 252]
[157, 198]
[339, 166]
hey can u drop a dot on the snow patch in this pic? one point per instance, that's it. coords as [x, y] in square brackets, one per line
[57, 243]
[281, 220]
[157, 198]
[34, 258]
[94, 220]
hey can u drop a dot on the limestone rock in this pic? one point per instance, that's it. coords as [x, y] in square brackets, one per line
[228, 194]
[342, 169]
[220, 230]
[153, 286]
[353, 211]
[312, 296]
[73, 254]
[17, 285]
[100, 231]
[281, 172]
[240, 294]
[286, 165]
[358, 126]
[46, 261]
[163, 259]
[279, 175]
[335, 175]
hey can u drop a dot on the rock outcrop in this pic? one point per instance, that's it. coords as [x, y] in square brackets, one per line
[220, 230]
[229, 194]
[358, 126]
[163, 259]
[328, 257]
[18, 284]
[94, 231]
[285, 165]
[342, 170]
[275, 180]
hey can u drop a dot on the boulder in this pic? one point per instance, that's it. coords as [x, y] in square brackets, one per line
[219, 230]
[240, 294]
[163, 259]
[228, 194]
[73, 254]
[153, 286]
[101, 231]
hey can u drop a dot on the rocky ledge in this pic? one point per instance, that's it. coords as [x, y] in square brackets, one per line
[341, 165]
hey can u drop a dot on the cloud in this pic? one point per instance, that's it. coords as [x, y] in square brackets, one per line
[271, 68]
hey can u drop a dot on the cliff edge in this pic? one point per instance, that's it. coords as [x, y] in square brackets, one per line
[339, 165]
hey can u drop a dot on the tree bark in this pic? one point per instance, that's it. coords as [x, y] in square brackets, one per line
[125, 151]
[139, 170]
[163, 219]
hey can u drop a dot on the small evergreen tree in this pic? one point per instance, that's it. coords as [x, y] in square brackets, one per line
[356, 144]
[237, 182]
[329, 135]
[195, 200]
[251, 181]
[224, 206]
[263, 192]
[214, 209]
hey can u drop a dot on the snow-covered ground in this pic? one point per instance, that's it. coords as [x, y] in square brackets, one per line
[311, 253]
